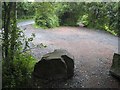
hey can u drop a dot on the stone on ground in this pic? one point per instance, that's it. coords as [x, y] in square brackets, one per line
[55, 65]
[115, 68]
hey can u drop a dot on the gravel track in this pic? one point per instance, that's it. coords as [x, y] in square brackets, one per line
[92, 49]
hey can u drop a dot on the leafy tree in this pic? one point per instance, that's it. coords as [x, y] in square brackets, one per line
[46, 15]
[25, 10]
[99, 15]
[17, 66]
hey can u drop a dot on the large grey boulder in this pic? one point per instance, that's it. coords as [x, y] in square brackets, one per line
[55, 65]
[115, 68]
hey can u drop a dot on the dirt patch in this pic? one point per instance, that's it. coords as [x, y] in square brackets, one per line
[93, 51]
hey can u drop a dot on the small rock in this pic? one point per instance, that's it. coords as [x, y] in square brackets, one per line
[82, 79]
[83, 86]
[93, 73]
[111, 80]
[98, 83]
[66, 84]
[101, 62]
[86, 76]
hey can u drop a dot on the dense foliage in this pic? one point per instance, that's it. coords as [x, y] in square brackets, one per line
[71, 13]
[99, 15]
[46, 15]
[25, 10]
[17, 74]
[102, 16]
[17, 66]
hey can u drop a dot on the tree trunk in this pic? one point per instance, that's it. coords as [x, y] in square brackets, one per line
[7, 27]
[13, 32]
[10, 31]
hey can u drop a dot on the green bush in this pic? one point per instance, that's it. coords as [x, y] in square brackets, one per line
[17, 73]
[47, 21]
[103, 16]
[25, 10]
[46, 15]
[83, 20]
[97, 15]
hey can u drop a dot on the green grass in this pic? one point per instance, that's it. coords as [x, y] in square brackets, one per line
[110, 31]
[37, 26]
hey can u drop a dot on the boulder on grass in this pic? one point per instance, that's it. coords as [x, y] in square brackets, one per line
[115, 68]
[55, 65]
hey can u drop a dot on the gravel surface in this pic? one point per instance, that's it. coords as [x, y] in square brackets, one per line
[24, 23]
[92, 49]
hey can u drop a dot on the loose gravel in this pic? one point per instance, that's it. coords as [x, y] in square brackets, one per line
[92, 49]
